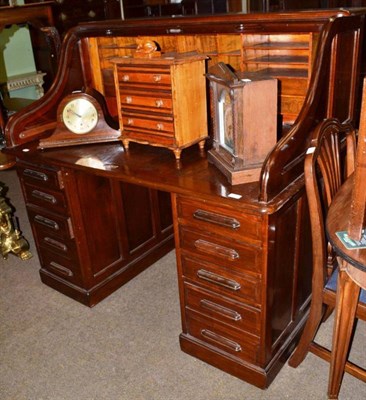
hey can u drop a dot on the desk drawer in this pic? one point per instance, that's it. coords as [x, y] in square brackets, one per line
[46, 178]
[214, 249]
[63, 267]
[65, 248]
[226, 222]
[51, 224]
[217, 335]
[223, 280]
[45, 198]
[234, 314]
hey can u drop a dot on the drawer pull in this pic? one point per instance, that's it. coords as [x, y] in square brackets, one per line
[160, 127]
[44, 196]
[61, 269]
[218, 280]
[217, 308]
[125, 78]
[156, 77]
[223, 341]
[174, 30]
[47, 222]
[55, 243]
[216, 249]
[35, 174]
[128, 99]
[217, 219]
[159, 103]
[130, 121]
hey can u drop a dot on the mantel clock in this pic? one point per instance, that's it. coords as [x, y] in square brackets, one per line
[82, 117]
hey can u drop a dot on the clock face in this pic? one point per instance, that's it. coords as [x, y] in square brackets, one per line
[80, 116]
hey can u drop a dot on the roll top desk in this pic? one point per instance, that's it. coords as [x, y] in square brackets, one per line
[101, 214]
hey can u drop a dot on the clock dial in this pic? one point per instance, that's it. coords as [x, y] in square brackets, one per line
[80, 116]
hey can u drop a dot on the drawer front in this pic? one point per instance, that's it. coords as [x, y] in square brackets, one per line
[234, 314]
[63, 247]
[223, 280]
[214, 249]
[159, 78]
[231, 341]
[45, 198]
[51, 224]
[157, 103]
[63, 267]
[222, 221]
[161, 126]
[40, 177]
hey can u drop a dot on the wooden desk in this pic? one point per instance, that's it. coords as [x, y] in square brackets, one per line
[101, 214]
[352, 277]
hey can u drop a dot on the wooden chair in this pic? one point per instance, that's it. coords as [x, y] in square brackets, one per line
[323, 177]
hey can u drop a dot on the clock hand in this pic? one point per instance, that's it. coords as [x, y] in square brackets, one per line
[73, 112]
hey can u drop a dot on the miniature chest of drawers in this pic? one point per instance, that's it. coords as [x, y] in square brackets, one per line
[162, 100]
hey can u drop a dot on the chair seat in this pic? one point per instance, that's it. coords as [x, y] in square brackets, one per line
[332, 285]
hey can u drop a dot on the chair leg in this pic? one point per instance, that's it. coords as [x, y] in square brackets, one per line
[311, 327]
[346, 303]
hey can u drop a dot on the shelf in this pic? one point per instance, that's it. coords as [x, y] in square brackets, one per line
[275, 59]
[279, 46]
[283, 73]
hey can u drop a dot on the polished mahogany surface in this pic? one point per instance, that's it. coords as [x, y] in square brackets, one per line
[151, 167]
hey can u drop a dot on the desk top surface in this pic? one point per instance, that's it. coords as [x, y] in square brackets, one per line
[154, 167]
[337, 221]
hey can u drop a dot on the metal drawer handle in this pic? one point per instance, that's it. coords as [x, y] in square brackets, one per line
[160, 126]
[128, 99]
[223, 341]
[55, 243]
[174, 30]
[47, 222]
[240, 28]
[125, 78]
[217, 219]
[218, 280]
[157, 78]
[226, 312]
[61, 269]
[44, 196]
[130, 121]
[216, 249]
[35, 174]
[159, 103]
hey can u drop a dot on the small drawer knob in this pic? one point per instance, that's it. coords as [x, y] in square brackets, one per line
[160, 126]
[125, 78]
[157, 78]
[128, 99]
[130, 121]
[159, 103]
